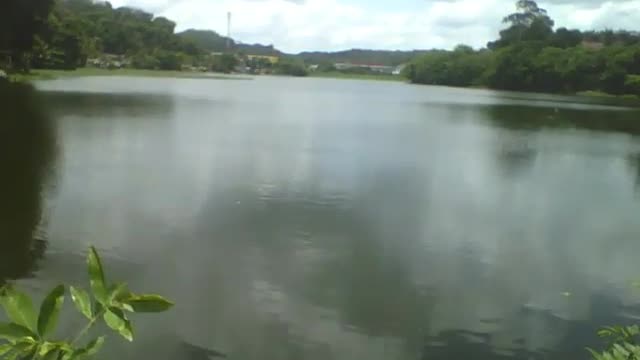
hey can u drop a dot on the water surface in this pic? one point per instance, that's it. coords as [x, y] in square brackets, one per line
[333, 219]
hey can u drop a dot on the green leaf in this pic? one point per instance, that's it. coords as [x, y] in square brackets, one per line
[51, 355]
[94, 346]
[13, 332]
[97, 308]
[117, 293]
[50, 310]
[5, 348]
[48, 346]
[127, 332]
[595, 355]
[25, 347]
[19, 308]
[117, 321]
[96, 275]
[69, 356]
[82, 301]
[149, 303]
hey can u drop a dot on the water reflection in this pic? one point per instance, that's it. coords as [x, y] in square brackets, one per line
[319, 220]
[559, 117]
[634, 167]
[27, 152]
[89, 105]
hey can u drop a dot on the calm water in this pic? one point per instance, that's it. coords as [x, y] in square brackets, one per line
[321, 219]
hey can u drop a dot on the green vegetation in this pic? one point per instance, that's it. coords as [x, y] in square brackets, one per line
[30, 334]
[344, 75]
[290, 66]
[44, 74]
[65, 34]
[20, 21]
[211, 41]
[531, 56]
[224, 63]
[360, 56]
[622, 343]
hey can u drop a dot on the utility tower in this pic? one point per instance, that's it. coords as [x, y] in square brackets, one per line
[229, 31]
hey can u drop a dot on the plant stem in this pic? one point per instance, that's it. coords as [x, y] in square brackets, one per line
[88, 327]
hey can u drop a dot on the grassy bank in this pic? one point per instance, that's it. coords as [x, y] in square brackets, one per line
[596, 93]
[341, 75]
[84, 72]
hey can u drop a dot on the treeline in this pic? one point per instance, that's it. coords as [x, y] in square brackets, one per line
[67, 34]
[79, 29]
[531, 56]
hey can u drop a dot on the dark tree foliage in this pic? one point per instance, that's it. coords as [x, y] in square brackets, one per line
[224, 63]
[62, 34]
[531, 56]
[290, 66]
[20, 22]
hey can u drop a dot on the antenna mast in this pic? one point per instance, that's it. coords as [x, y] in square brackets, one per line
[229, 31]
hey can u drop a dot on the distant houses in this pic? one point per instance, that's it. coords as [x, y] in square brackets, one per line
[592, 45]
[272, 59]
[109, 61]
[382, 69]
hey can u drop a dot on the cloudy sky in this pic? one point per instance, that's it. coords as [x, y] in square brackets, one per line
[299, 25]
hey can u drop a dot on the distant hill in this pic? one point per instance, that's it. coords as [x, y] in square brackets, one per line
[359, 56]
[206, 39]
[211, 41]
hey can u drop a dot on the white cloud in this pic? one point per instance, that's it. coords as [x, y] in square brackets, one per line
[298, 25]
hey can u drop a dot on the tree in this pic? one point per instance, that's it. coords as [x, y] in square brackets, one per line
[528, 23]
[20, 22]
[528, 12]
[564, 38]
[461, 67]
[290, 66]
[224, 63]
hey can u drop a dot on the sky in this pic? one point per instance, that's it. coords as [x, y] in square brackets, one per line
[330, 25]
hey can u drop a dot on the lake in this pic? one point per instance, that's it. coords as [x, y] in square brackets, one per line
[330, 219]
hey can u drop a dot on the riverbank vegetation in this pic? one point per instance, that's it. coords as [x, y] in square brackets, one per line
[355, 76]
[48, 74]
[531, 56]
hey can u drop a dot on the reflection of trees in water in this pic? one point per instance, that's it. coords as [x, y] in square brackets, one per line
[324, 273]
[314, 257]
[634, 166]
[514, 154]
[90, 104]
[27, 149]
[301, 275]
[550, 117]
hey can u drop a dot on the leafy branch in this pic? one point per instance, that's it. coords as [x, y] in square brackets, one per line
[28, 334]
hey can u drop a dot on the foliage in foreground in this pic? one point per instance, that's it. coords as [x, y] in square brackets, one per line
[30, 334]
[623, 343]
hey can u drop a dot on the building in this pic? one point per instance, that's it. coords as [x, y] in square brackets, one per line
[592, 45]
[271, 59]
[398, 69]
[383, 69]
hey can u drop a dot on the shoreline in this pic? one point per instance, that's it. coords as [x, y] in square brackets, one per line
[344, 76]
[46, 74]
[50, 74]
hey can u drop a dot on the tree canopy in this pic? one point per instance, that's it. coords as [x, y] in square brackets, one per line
[20, 22]
[530, 55]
